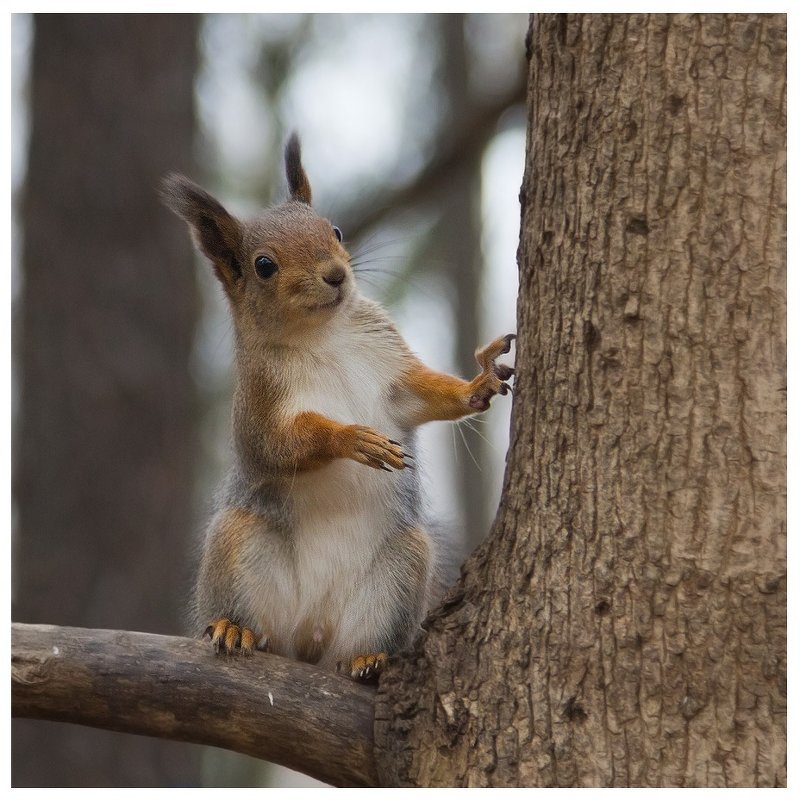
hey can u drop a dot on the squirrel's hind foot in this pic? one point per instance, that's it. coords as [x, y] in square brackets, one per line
[227, 635]
[366, 667]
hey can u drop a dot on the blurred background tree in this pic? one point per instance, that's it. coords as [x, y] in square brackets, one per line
[413, 135]
[105, 437]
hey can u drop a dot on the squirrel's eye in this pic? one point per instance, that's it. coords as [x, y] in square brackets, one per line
[337, 233]
[265, 267]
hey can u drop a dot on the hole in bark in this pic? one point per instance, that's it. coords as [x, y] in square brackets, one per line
[704, 579]
[561, 29]
[674, 103]
[454, 596]
[574, 711]
[629, 131]
[590, 335]
[638, 225]
[547, 237]
[602, 607]
[769, 586]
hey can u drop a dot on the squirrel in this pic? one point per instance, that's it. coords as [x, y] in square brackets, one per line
[319, 548]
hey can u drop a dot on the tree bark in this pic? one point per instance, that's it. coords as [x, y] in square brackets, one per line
[625, 622]
[177, 688]
[104, 446]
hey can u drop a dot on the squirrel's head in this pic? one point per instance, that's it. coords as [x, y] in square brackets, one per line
[284, 271]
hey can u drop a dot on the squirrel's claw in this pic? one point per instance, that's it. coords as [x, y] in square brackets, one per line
[493, 376]
[486, 356]
[373, 449]
[226, 634]
[503, 371]
[365, 667]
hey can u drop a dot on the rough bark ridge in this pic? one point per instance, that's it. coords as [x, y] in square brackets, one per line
[625, 622]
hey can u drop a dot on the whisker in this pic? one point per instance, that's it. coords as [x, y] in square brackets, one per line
[363, 258]
[469, 450]
[371, 247]
[468, 424]
[372, 283]
[406, 279]
[379, 270]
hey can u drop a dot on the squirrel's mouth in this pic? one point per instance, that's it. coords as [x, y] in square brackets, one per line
[331, 304]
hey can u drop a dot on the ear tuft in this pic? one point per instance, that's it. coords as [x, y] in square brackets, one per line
[218, 234]
[299, 187]
[186, 198]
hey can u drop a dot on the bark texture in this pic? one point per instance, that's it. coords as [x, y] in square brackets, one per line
[625, 622]
[177, 688]
[104, 443]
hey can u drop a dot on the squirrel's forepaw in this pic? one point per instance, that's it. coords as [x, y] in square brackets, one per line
[227, 636]
[492, 380]
[364, 668]
[372, 448]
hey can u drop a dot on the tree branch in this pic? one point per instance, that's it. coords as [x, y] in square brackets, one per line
[265, 706]
[461, 147]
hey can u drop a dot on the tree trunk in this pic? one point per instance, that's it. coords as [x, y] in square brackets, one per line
[105, 439]
[625, 622]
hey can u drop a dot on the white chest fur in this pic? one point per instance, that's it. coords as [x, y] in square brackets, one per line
[343, 511]
[346, 377]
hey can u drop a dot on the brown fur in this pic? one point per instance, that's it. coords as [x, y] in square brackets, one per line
[441, 396]
[445, 397]
[419, 550]
[233, 530]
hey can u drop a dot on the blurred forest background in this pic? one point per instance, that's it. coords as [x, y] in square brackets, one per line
[413, 137]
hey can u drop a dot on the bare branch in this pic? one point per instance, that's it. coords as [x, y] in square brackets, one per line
[265, 706]
[462, 146]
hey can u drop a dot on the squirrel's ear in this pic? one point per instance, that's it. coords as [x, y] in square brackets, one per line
[299, 187]
[218, 234]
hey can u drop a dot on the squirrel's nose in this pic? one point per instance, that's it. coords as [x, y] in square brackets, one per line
[335, 276]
